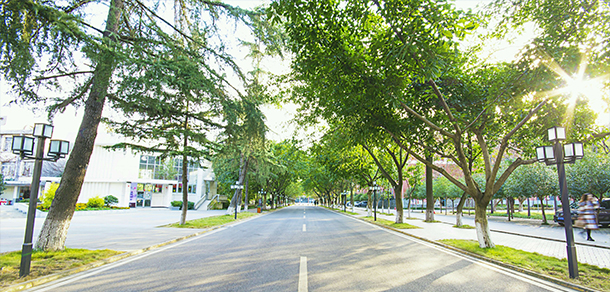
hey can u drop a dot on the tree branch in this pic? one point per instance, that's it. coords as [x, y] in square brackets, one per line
[62, 75]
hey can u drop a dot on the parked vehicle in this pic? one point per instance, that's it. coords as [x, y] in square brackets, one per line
[361, 204]
[603, 214]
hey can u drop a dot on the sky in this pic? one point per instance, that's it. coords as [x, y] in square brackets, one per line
[278, 118]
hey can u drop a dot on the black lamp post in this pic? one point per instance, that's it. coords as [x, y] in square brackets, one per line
[237, 187]
[24, 147]
[559, 155]
[375, 188]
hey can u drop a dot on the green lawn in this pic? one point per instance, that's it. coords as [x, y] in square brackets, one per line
[212, 221]
[590, 276]
[46, 263]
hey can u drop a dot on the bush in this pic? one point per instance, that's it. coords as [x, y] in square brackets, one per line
[191, 205]
[48, 197]
[81, 206]
[95, 202]
[110, 200]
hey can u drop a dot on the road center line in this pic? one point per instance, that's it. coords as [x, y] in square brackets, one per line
[303, 216]
[304, 228]
[303, 274]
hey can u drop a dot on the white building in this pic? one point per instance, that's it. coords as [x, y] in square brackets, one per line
[137, 180]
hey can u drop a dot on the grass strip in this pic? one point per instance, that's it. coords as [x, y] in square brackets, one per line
[464, 226]
[534, 215]
[391, 223]
[46, 263]
[211, 221]
[588, 275]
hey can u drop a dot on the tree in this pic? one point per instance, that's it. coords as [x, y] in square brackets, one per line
[413, 83]
[536, 180]
[591, 174]
[41, 42]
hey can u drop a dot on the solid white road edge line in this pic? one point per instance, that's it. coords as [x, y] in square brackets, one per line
[514, 274]
[303, 275]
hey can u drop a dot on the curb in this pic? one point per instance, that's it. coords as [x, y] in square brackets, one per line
[52, 277]
[480, 257]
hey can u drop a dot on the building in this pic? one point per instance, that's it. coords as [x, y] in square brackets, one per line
[136, 179]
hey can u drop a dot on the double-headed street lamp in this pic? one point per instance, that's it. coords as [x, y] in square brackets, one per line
[375, 188]
[24, 147]
[559, 155]
[237, 186]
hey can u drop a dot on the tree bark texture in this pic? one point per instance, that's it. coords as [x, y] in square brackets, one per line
[460, 208]
[429, 193]
[185, 181]
[481, 225]
[55, 228]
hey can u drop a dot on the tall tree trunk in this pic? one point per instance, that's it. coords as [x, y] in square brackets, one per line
[460, 207]
[482, 225]
[398, 198]
[542, 208]
[185, 182]
[55, 228]
[369, 204]
[236, 200]
[246, 195]
[185, 174]
[429, 193]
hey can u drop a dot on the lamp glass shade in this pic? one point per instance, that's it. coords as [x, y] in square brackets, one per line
[17, 143]
[540, 153]
[28, 145]
[65, 147]
[54, 147]
[578, 150]
[568, 150]
[43, 130]
[557, 133]
[548, 152]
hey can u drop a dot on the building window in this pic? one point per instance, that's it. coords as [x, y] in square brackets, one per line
[152, 167]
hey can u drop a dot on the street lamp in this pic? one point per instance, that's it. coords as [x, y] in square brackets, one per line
[559, 155]
[344, 198]
[24, 147]
[375, 188]
[237, 187]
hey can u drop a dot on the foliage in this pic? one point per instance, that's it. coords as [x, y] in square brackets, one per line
[191, 205]
[95, 202]
[2, 184]
[591, 174]
[80, 206]
[588, 275]
[48, 197]
[391, 223]
[46, 263]
[176, 203]
[110, 200]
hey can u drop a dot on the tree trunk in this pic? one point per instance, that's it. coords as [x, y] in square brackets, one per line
[236, 200]
[482, 226]
[55, 228]
[460, 207]
[429, 194]
[369, 205]
[399, 206]
[543, 215]
[264, 203]
[185, 181]
[246, 195]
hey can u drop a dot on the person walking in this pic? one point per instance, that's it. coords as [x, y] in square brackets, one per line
[587, 213]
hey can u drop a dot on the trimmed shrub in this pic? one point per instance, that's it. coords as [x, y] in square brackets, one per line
[191, 205]
[81, 206]
[110, 200]
[95, 202]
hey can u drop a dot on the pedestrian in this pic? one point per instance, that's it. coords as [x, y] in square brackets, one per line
[587, 213]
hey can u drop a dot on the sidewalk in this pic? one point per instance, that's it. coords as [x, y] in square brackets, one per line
[598, 255]
[122, 230]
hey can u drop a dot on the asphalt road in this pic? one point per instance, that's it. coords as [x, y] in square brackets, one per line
[299, 249]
